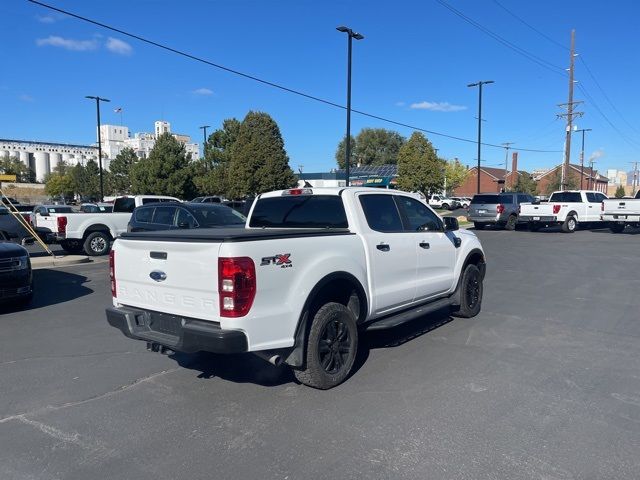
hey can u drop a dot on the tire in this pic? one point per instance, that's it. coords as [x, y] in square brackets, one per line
[533, 226]
[97, 243]
[616, 227]
[445, 206]
[331, 347]
[570, 224]
[470, 293]
[478, 226]
[512, 221]
[71, 246]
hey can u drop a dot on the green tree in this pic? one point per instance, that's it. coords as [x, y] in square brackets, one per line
[120, 171]
[13, 166]
[620, 192]
[166, 171]
[341, 152]
[210, 172]
[455, 174]
[419, 168]
[556, 182]
[372, 146]
[525, 184]
[57, 185]
[258, 161]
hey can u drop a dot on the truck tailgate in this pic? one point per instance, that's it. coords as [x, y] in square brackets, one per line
[622, 207]
[172, 277]
[532, 209]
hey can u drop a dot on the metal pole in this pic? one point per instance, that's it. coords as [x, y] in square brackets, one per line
[479, 130]
[348, 139]
[99, 150]
[204, 140]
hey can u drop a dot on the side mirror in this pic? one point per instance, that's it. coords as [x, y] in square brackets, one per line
[450, 224]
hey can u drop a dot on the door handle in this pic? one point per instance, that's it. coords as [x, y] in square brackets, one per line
[383, 247]
[425, 245]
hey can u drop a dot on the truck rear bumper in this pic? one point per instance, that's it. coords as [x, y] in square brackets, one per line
[178, 333]
[621, 217]
[541, 218]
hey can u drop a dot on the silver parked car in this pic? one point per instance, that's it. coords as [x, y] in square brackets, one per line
[496, 209]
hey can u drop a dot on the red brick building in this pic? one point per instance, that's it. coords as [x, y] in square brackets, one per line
[491, 181]
[591, 180]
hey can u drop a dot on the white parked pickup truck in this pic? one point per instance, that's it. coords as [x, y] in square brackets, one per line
[313, 269]
[620, 212]
[568, 209]
[91, 232]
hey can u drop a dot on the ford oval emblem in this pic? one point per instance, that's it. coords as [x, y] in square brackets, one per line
[158, 276]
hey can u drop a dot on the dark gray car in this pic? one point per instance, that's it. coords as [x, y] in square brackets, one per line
[496, 209]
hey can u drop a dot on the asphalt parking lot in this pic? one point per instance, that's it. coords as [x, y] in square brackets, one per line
[543, 384]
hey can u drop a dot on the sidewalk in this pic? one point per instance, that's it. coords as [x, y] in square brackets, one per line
[58, 261]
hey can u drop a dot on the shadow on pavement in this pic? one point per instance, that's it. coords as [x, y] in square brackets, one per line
[247, 368]
[51, 287]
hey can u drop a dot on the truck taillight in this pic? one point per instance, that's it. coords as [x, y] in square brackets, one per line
[62, 225]
[556, 209]
[112, 272]
[602, 206]
[500, 208]
[236, 285]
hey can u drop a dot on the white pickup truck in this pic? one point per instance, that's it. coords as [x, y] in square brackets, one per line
[313, 268]
[620, 212]
[567, 208]
[90, 232]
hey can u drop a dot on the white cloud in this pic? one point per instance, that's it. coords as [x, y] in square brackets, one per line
[202, 91]
[67, 43]
[400, 104]
[118, 46]
[437, 106]
[46, 19]
[26, 98]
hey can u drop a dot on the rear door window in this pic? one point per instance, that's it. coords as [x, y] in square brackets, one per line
[143, 215]
[381, 213]
[185, 218]
[506, 198]
[164, 215]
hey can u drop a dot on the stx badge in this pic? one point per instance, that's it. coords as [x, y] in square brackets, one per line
[280, 259]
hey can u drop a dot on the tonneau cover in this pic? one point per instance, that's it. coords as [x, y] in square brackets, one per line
[230, 234]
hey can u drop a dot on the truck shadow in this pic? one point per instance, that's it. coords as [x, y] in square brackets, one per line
[394, 337]
[51, 287]
[247, 368]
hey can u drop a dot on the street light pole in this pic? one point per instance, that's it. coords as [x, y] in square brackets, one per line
[582, 155]
[479, 85]
[98, 100]
[350, 36]
[204, 140]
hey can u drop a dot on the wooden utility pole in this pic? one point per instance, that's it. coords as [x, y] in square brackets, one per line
[635, 177]
[507, 146]
[564, 182]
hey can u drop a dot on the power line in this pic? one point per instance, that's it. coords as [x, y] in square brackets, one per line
[266, 82]
[521, 20]
[605, 94]
[630, 141]
[530, 56]
[602, 90]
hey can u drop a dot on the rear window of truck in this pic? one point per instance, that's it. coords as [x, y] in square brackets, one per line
[566, 197]
[299, 211]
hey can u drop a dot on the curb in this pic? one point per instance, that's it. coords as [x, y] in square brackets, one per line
[58, 261]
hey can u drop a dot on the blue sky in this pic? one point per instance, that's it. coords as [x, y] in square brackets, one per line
[413, 67]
